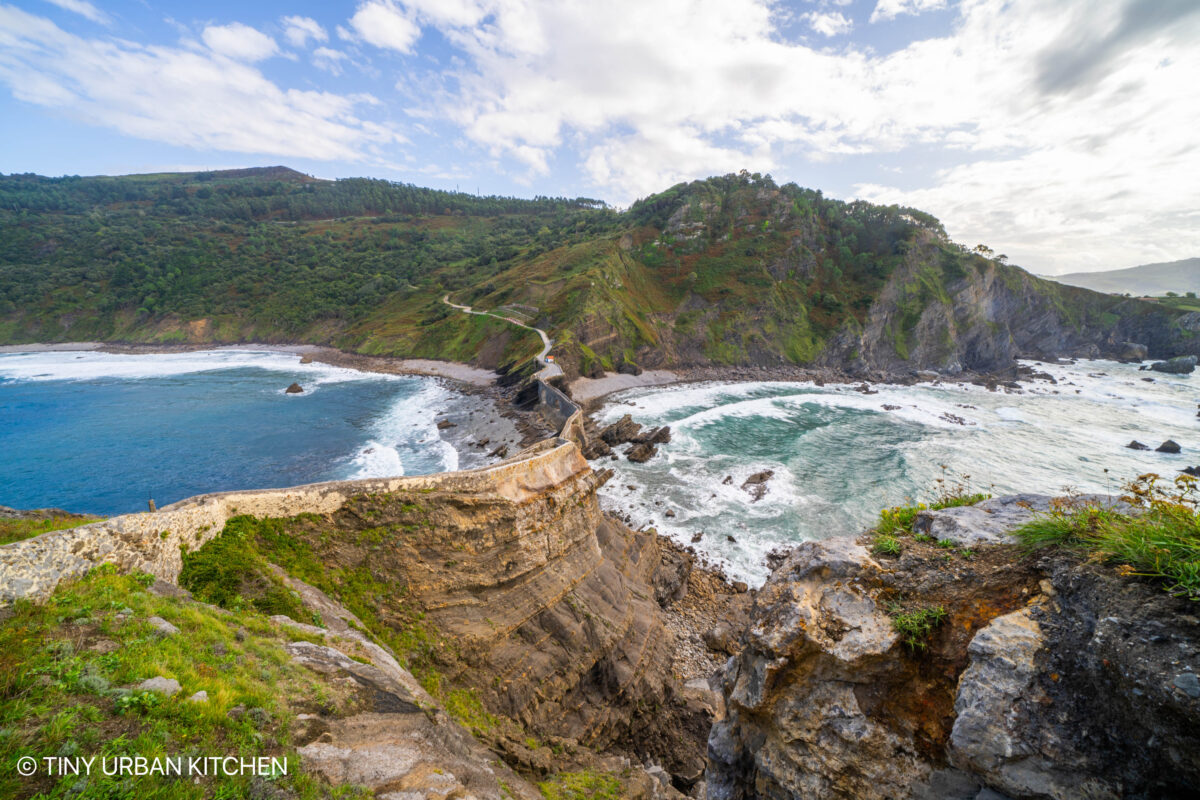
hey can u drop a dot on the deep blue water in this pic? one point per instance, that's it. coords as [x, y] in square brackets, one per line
[102, 433]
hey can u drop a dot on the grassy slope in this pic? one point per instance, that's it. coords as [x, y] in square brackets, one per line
[60, 695]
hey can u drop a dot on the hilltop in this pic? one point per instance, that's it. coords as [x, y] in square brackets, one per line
[1148, 279]
[729, 271]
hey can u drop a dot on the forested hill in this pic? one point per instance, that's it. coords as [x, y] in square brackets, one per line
[731, 270]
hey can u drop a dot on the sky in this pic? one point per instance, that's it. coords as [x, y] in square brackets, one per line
[1062, 133]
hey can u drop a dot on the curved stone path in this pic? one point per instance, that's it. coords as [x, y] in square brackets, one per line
[549, 368]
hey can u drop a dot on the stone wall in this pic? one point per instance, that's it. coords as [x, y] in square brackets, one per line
[151, 541]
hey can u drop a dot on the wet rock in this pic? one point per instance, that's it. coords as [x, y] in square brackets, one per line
[659, 435]
[621, 431]
[1169, 446]
[640, 454]
[1188, 683]
[596, 448]
[295, 388]
[1180, 365]
[756, 484]
[1136, 445]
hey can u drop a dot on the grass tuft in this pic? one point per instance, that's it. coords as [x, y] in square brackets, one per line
[1160, 542]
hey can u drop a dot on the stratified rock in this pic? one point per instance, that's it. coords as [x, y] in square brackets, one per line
[621, 431]
[295, 388]
[596, 448]
[402, 738]
[1180, 365]
[659, 435]
[1136, 445]
[1169, 446]
[641, 453]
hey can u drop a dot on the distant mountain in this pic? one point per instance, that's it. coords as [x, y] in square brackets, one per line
[1148, 279]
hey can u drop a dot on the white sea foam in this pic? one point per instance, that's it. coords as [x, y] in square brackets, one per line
[407, 433]
[839, 456]
[86, 366]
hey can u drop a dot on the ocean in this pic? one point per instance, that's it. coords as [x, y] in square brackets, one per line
[839, 456]
[103, 433]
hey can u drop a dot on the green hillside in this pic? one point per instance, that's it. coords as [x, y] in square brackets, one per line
[731, 270]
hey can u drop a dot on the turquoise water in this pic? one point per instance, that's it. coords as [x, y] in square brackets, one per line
[100, 433]
[839, 456]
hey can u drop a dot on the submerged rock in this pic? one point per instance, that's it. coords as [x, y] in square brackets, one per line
[756, 484]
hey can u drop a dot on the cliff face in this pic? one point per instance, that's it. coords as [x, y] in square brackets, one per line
[1045, 679]
[549, 607]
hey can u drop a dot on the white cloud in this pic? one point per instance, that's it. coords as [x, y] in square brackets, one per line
[240, 42]
[829, 23]
[329, 60]
[179, 96]
[83, 8]
[890, 9]
[386, 25]
[298, 30]
[1048, 112]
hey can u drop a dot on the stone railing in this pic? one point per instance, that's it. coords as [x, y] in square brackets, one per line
[153, 541]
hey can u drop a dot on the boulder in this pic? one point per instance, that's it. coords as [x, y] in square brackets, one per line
[1169, 446]
[167, 686]
[641, 453]
[162, 627]
[659, 435]
[621, 431]
[1180, 365]
[295, 388]
[1132, 352]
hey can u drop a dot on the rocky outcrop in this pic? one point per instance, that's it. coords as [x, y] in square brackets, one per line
[1045, 678]
[401, 743]
[1180, 365]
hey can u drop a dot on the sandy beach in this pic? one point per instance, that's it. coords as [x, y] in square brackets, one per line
[585, 389]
